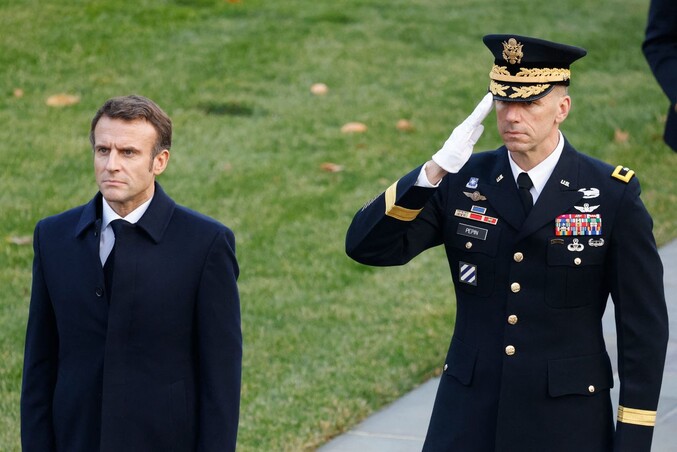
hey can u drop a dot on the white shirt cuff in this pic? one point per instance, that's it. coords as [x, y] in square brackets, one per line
[423, 181]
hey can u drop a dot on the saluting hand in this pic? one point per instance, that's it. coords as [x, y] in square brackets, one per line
[458, 147]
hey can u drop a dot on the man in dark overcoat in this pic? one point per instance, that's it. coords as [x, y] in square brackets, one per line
[133, 340]
[660, 50]
[537, 236]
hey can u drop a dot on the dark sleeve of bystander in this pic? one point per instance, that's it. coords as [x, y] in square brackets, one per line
[660, 50]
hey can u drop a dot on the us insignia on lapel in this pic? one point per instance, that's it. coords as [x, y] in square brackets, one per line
[578, 224]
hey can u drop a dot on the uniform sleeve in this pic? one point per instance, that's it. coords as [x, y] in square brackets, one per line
[40, 364]
[219, 348]
[636, 279]
[397, 225]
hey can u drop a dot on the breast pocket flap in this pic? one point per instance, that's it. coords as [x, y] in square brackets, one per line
[584, 375]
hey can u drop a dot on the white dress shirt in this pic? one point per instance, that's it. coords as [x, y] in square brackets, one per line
[107, 236]
[540, 173]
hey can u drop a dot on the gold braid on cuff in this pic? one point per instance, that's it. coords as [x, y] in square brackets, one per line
[634, 416]
[397, 212]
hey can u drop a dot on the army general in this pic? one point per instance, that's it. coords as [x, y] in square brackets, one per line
[537, 236]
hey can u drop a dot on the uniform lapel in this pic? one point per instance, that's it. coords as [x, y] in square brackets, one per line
[559, 194]
[501, 192]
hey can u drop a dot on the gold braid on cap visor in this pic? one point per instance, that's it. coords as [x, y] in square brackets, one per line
[536, 81]
[523, 92]
[526, 75]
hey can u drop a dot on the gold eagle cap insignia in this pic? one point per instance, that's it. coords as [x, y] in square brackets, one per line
[512, 51]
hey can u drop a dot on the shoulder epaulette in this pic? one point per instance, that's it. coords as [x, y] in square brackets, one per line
[623, 173]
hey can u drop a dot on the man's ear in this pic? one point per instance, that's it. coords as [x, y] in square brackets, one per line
[564, 106]
[160, 162]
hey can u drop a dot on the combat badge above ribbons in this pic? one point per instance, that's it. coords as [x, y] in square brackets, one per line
[578, 224]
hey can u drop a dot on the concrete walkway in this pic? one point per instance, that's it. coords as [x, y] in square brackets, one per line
[401, 426]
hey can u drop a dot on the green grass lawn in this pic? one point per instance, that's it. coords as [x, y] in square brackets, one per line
[327, 341]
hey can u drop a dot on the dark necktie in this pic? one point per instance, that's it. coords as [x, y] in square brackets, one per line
[118, 226]
[524, 183]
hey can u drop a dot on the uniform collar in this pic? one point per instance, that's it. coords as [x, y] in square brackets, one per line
[540, 173]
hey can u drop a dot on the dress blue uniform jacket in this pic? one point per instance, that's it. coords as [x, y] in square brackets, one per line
[155, 364]
[527, 368]
[660, 49]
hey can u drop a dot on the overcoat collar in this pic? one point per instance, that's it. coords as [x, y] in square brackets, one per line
[559, 194]
[154, 222]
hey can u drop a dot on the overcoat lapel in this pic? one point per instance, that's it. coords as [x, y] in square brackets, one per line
[88, 229]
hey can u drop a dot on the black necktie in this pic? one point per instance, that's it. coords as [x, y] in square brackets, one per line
[118, 226]
[524, 183]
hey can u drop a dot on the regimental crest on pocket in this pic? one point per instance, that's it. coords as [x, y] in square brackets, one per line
[467, 273]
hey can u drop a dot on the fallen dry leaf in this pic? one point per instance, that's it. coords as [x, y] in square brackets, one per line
[331, 167]
[621, 136]
[20, 240]
[18, 93]
[354, 127]
[319, 89]
[404, 125]
[62, 100]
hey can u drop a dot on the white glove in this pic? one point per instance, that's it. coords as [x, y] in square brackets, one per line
[458, 147]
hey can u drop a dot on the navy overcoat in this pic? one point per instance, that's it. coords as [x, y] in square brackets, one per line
[155, 364]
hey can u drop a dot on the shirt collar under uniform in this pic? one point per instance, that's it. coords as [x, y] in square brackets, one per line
[540, 173]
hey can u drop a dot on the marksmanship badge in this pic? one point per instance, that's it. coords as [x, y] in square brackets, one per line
[512, 51]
